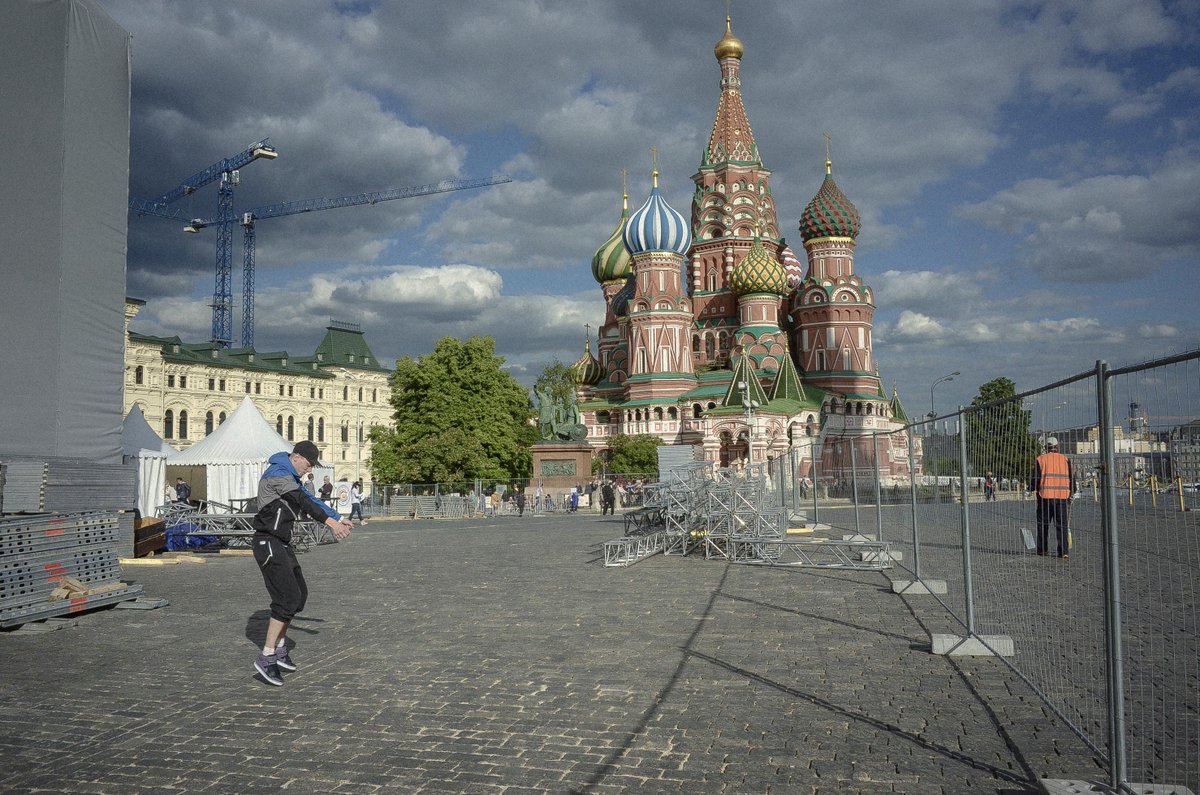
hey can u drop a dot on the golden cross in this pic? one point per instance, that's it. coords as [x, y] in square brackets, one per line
[654, 161]
[827, 138]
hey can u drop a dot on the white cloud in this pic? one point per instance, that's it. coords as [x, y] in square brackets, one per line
[1160, 331]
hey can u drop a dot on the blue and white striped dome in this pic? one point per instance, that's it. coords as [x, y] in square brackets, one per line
[657, 226]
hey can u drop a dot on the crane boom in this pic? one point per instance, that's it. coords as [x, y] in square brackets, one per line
[256, 150]
[311, 205]
[222, 331]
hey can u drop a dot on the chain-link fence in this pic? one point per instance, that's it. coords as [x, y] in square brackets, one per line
[1095, 585]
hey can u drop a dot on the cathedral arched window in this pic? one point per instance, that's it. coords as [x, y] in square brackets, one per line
[710, 347]
[672, 414]
[696, 409]
[658, 415]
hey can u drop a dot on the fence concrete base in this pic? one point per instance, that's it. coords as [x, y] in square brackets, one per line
[957, 646]
[918, 587]
[858, 537]
[1062, 786]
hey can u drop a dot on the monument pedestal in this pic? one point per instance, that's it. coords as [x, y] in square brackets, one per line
[561, 465]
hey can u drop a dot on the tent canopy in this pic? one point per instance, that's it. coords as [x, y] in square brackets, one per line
[245, 437]
[137, 435]
[234, 455]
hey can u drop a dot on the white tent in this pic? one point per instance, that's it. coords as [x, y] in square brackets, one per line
[141, 445]
[234, 455]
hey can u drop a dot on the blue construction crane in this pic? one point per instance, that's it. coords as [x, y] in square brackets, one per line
[226, 217]
[228, 172]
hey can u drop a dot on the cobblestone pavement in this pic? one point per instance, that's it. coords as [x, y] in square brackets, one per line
[501, 656]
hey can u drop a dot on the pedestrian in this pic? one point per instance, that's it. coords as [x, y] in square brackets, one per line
[989, 488]
[520, 499]
[283, 501]
[169, 494]
[327, 492]
[183, 492]
[607, 498]
[356, 499]
[1054, 483]
[574, 499]
[537, 499]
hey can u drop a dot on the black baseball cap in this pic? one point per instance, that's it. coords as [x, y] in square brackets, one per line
[309, 451]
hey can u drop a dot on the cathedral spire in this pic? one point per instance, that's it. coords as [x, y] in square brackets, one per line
[731, 140]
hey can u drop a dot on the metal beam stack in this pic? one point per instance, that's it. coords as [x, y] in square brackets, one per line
[39, 555]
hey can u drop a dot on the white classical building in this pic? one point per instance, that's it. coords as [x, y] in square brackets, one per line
[333, 396]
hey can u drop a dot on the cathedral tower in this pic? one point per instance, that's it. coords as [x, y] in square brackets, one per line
[833, 309]
[732, 199]
[660, 313]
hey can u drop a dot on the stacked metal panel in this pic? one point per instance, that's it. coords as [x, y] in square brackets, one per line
[22, 486]
[66, 485]
[40, 553]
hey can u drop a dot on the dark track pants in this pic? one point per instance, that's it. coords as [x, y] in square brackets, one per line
[282, 575]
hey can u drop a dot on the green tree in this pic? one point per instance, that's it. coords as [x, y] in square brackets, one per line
[458, 416]
[998, 436]
[633, 455]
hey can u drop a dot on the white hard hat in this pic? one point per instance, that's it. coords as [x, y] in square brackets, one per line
[1051, 441]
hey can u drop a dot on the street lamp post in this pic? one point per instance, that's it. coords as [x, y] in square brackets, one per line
[749, 405]
[950, 377]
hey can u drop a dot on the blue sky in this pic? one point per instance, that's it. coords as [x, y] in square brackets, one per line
[1028, 172]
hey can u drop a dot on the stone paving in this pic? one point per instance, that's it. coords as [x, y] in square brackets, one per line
[501, 656]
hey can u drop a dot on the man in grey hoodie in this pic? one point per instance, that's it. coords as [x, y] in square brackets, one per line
[282, 501]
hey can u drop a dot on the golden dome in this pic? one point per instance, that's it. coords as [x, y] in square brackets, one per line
[730, 46]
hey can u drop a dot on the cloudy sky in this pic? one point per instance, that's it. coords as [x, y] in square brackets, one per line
[1028, 171]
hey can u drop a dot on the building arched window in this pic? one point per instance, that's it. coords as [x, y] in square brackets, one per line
[696, 409]
[345, 433]
[345, 393]
[221, 418]
[658, 415]
[208, 423]
[169, 425]
[311, 428]
[672, 413]
[139, 374]
[360, 394]
[710, 347]
[320, 429]
[183, 424]
[279, 424]
[291, 426]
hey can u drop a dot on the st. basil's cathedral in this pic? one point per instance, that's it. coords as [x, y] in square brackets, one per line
[707, 318]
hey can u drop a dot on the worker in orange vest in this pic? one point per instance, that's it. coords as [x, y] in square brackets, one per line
[1054, 483]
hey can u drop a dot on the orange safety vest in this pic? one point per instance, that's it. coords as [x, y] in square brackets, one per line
[1056, 476]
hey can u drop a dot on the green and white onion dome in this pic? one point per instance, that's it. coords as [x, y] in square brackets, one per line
[611, 262]
[586, 370]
